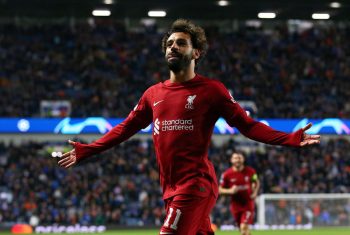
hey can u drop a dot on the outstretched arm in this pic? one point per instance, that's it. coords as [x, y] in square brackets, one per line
[260, 132]
[236, 116]
[139, 118]
[114, 137]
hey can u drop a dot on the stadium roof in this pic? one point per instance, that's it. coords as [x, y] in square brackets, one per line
[193, 9]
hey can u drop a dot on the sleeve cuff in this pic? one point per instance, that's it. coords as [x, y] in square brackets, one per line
[79, 151]
[297, 137]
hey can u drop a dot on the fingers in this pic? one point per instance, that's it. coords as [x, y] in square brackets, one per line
[312, 137]
[307, 126]
[64, 161]
[70, 164]
[315, 136]
[302, 144]
[309, 139]
[67, 162]
[309, 142]
[65, 154]
[68, 159]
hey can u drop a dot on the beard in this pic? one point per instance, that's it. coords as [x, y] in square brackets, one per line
[238, 164]
[180, 62]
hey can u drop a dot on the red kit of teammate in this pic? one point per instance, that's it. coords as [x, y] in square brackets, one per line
[184, 110]
[242, 184]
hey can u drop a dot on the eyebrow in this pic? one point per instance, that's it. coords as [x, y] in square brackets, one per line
[178, 40]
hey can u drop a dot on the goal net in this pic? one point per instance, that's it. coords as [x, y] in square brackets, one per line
[303, 210]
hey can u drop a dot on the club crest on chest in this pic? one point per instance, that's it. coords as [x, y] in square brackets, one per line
[190, 100]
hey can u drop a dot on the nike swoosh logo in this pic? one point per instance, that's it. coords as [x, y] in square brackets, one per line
[156, 103]
[165, 233]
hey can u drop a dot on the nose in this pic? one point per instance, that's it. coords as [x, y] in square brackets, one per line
[174, 47]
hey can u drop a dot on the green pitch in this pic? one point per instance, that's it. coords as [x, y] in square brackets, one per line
[326, 231]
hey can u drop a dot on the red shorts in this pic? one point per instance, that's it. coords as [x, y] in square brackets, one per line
[188, 215]
[243, 217]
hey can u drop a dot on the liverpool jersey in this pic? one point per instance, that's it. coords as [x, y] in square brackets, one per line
[241, 200]
[183, 116]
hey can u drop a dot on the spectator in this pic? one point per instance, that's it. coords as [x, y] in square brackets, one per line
[57, 62]
[32, 186]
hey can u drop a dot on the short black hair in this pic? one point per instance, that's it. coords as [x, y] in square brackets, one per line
[239, 152]
[197, 33]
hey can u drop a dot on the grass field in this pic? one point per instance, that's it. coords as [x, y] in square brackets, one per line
[326, 231]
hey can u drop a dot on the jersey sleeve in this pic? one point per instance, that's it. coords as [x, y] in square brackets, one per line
[235, 116]
[253, 175]
[223, 180]
[139, 118]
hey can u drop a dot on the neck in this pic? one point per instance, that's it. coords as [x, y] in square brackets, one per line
[183, 75]
[238, 168]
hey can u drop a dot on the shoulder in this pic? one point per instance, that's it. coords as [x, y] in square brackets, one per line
[228, 172]
[249, 169]
[152, 89]
[217, 89]
[212, 82]
[155, 86]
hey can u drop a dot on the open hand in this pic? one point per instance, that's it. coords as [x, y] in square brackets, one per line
[309, 139]
[68, 159]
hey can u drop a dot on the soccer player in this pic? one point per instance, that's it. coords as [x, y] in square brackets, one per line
[184, 110]
[241, 182]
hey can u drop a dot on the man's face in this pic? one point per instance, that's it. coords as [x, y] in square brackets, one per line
[237, 160]
[179, 51]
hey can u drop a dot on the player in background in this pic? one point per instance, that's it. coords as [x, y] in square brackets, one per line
[242, 184]
[184, 110]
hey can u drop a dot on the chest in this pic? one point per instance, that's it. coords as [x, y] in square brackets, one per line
[238, 178]
[182, 103]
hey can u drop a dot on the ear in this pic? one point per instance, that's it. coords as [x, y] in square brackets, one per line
[196, 54]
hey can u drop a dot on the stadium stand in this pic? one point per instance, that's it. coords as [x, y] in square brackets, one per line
[103, 69]
[121, 186]
[106, 74]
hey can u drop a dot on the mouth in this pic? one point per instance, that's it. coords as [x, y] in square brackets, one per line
[173, 56]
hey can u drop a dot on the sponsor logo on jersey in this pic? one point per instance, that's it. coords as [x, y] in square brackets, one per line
[156, 103]
[190, 100]
[172, 125]
[177, 125]
[156, 127]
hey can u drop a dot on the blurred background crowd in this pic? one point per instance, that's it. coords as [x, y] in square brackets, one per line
[121, 186]
[103, 69]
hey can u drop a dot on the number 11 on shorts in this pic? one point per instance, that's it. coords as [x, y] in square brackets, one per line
[176, 220]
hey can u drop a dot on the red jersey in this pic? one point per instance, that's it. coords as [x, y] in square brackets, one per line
[184, 115]
[241, 200]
